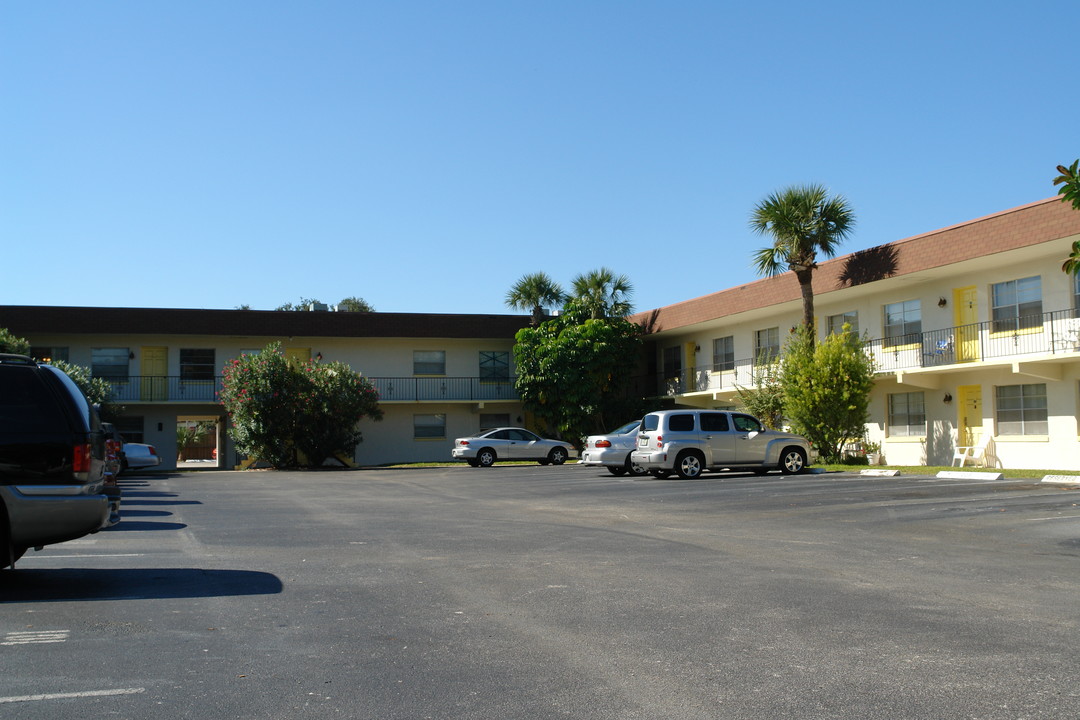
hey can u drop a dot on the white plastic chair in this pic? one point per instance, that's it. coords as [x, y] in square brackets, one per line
[976, 453]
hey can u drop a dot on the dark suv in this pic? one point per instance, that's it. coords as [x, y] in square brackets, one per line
[52, 459]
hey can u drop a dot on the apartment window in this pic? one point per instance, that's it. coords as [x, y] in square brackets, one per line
[494, 420]
[723, 354]
[1076, 292]
[110, 363]
[48, 354]
[1021, 409]
[766, 344]
[429, 426]
[197, 364]
[429, 362]
[903, 323]
[495, 365]
[130, 427]
[835, 323]
[1017, 304]
[907, 414]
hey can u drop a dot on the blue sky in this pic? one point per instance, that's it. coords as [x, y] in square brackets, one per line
[426, 155]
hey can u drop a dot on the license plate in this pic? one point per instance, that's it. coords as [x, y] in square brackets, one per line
[642, 441]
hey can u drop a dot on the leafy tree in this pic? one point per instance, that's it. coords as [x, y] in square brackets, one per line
[827, 389]
[765, 399]
[355, 304]
[576, 374]
[1069, 180]
[603, 294]
[533, 293]
[803, 221]
[301, 305]
[11, 344]
[280, 410]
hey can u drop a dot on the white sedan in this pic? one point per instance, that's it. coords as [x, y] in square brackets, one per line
[509, 443]
[138, 455]
[613, 450]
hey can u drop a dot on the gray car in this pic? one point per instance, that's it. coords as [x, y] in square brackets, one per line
[613, 450]
[509, 443]
[689, 442]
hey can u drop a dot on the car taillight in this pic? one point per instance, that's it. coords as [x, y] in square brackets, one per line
[463, 442]
[152, 450]
[80, 460]
[659, 442]
[603, 443]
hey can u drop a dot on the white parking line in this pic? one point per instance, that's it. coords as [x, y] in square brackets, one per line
[65, 696]
[35, 637]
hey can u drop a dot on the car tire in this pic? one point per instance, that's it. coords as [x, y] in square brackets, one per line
[662, 474]
[761, 471]
[689, 465]
[9, 554]
[558, 456]
[616, 470]
[473, 462]
[486, 457]
[792, 461]
[635, 469]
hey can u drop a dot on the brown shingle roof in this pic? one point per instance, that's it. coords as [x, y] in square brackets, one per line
[1024, 226]
[23, 319]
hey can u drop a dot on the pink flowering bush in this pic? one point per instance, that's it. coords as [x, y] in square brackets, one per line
[290, 414]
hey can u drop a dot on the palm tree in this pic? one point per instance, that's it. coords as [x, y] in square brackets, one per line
[534, 293]
[603, 294]
[803, 221]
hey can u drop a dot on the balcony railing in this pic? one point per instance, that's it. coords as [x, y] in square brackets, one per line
[162, 388]
[157, 388]
[1052, 333]
[435, 389]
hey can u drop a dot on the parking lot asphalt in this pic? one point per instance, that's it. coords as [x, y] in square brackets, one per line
[542, 592]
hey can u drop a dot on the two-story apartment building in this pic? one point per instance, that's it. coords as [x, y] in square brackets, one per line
[975, 329]
[438, 376]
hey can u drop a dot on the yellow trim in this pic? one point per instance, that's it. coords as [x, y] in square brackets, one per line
[1019, 331]
[905, 439]
[897, 348]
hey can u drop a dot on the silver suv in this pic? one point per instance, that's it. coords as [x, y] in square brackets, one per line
[688, 442]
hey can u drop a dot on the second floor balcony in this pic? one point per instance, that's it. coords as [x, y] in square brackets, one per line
[176, 389]
[1049, 336]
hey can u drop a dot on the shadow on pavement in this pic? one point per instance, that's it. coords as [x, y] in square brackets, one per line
[127, 584]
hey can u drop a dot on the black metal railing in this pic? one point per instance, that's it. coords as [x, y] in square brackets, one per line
[443, 388]
[164, 388]
[158, 388]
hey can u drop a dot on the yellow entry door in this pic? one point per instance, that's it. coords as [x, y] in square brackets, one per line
[969, 421]
[154, 369]
[966, 317]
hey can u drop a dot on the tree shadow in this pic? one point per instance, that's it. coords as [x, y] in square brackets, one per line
[132, 584]
[864, 266]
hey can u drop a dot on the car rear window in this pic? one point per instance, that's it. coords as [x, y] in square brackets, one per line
[680, 423]
[650, 422]
[26, 404]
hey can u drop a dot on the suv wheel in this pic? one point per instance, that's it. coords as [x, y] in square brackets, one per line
[793, 461]
[689, 465]
[662, 474]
